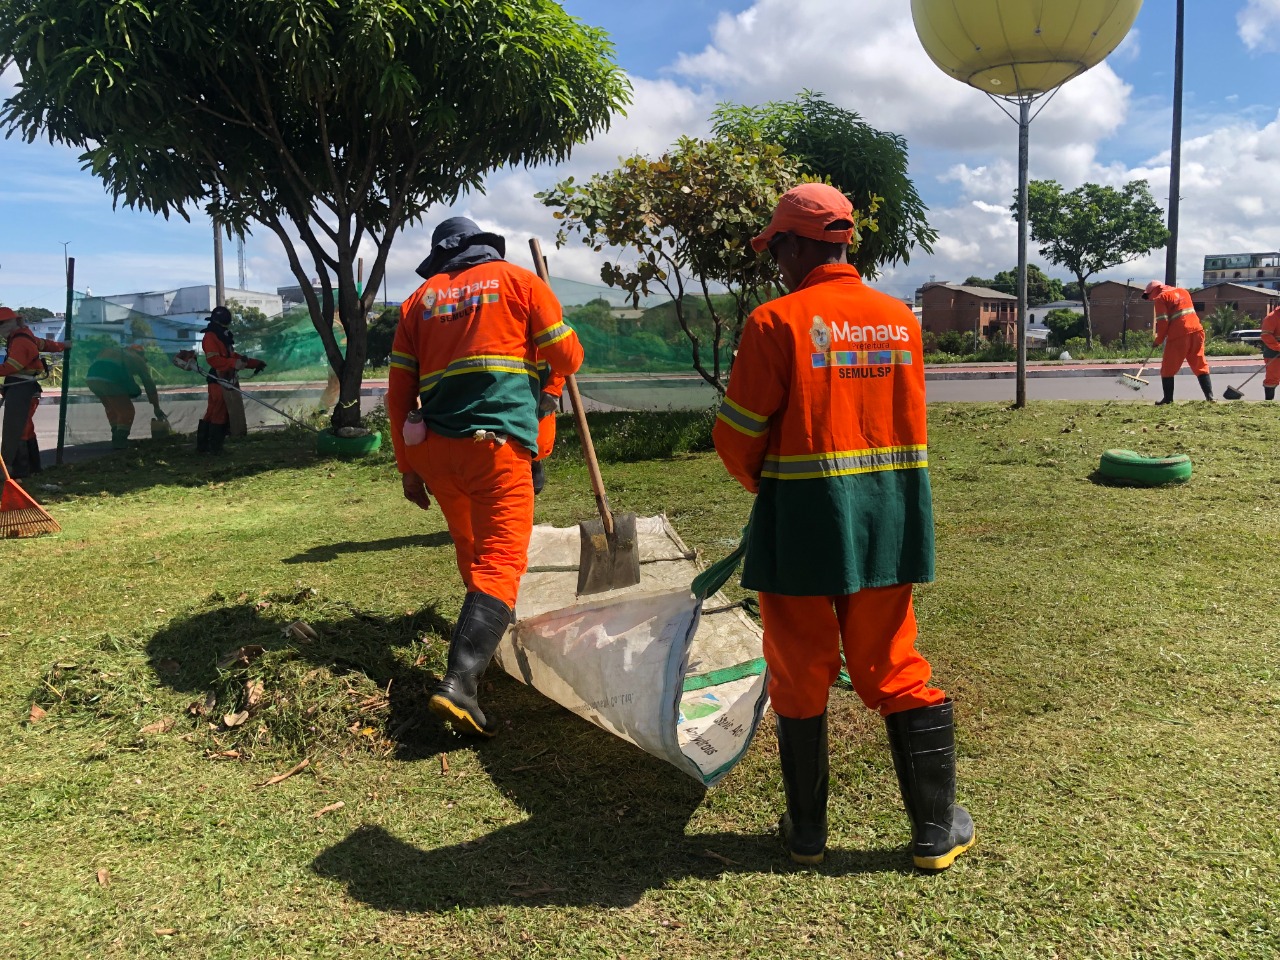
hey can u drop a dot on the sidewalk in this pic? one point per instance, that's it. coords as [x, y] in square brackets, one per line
[1075, 368]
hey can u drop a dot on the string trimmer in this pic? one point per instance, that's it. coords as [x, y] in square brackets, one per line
[189, 361]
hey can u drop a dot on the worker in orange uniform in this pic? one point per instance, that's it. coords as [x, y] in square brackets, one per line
[1179, 329]
[22, 371]
[110, 378]
[824, 420]
[1271, 353]
[551, 386]
[219, 352]
[463, 363]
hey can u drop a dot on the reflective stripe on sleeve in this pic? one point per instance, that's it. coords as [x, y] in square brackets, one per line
[405, 361]
[742, 419]
[553, 334]
[810, 466]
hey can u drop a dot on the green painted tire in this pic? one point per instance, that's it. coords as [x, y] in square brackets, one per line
[1130, 467]
[331, 445]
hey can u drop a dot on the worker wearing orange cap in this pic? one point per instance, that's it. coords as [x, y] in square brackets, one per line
[22, 370]
[220, 353]
[1271, 353]
[824, 420]
[551, 386]
[111, 378]
[462, 398]
[1180, 330]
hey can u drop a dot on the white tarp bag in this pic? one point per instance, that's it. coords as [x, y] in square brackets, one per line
[679, 677]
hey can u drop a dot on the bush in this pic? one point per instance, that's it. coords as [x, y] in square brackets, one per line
[643, 435]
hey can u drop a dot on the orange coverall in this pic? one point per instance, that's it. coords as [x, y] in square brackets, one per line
[465, 350]
[1271, 348]
[1179, 329]
[552, 386]
[824, 419]
[223, 361]
[22, 361]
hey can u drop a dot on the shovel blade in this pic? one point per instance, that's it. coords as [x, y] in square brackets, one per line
[608, 562]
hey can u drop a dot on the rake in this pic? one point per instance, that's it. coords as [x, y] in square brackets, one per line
[1136, 381]
[20, 516]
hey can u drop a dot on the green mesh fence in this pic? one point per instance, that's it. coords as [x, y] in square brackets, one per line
[120, 355]
[637, 357]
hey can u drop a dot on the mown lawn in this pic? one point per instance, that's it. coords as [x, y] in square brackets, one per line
[1113, 652]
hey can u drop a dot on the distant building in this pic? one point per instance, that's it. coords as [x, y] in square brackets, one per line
[1253, 269]
[1116, 307]
[172, 319]
[978, 310]
[1253, 301]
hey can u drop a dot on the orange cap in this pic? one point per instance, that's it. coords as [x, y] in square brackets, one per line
[1154, 289]
[7, 314]
[807, 210]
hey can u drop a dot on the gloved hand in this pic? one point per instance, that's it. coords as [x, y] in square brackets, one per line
[257, 365]
[241, 363]
[415, 491]
[547, 404]
[160, 414]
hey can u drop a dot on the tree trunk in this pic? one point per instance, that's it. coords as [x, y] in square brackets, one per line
[1088, 316]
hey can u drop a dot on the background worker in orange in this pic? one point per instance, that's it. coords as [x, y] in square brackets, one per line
[551, 387]
[219, 352]
[464, 361]
[1179, 329]
[1271, 353]
[824, 420]
[22, 368]
[111, 379]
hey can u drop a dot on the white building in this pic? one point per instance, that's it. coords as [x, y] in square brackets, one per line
[173, 319]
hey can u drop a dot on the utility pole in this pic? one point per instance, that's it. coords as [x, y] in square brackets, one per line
[219, 281]
[1175, 158]
[1124, 328]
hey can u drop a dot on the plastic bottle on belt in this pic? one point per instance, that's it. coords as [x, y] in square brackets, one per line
[415, 431]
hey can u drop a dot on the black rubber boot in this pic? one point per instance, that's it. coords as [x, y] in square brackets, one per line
[119, 438]
[202, 436]
[1268, 393]
[802, 750]
[481, 624]
[1167, 384]
[539, 476]
[218, 436]
[1206, 384]
[923, 744]
[33, 456]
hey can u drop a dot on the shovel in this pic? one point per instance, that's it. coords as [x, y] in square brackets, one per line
[610, 554]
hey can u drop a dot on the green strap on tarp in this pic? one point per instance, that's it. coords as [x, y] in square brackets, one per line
[717, 575]
[752, 668]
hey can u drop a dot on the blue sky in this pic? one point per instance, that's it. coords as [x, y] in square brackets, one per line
[1109, 126]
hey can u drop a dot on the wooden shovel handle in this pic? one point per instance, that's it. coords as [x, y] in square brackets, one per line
[579, 414]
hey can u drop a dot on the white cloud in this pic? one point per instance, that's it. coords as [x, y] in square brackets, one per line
[1259, 24]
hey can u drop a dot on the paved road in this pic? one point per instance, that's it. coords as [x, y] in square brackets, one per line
[87, 428]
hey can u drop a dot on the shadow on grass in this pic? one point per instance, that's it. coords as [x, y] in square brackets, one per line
[332, 551]
[606, 823]
[172, 461]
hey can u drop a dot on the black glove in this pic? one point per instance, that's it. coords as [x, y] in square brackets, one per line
[548, 403]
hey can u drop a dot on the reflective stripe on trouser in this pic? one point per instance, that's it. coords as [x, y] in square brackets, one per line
[216, 410]
[877, 628]
[1188, 350]
[485, 491]
[546, 436]
[1271, 378]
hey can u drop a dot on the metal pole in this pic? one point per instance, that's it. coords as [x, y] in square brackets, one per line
[219, 281]
[66, 366]
[1124, 329]
[1024, 156]
[1175, 159]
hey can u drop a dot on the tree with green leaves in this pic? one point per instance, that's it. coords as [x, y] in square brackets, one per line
[333, 125]
[1093, 228]
[868, 165]
[688, 216]
[1064, 325]
[1041, 288]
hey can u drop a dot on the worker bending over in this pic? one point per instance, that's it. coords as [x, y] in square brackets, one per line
[1180, 330]
[464, 362]
[111, 379]
[21, 371]
[824, 420]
